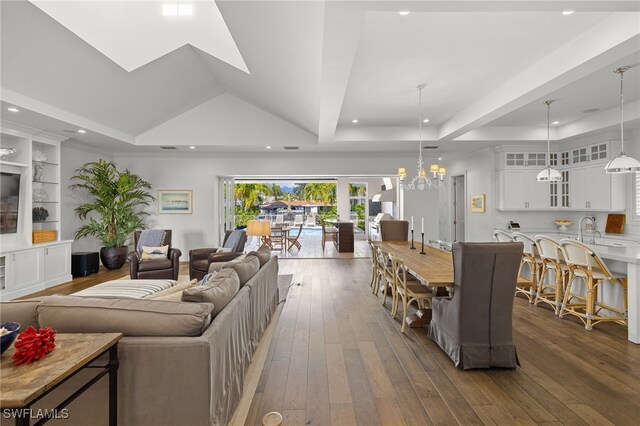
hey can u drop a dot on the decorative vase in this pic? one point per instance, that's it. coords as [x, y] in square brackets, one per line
[113, 257]
[37, 172]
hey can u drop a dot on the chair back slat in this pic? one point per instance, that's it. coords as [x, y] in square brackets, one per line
[549, 248]
[579, 254]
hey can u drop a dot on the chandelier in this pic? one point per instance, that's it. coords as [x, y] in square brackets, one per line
[421, 181]
[622, 163]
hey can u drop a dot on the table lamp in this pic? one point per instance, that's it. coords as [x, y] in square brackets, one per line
[259, 228]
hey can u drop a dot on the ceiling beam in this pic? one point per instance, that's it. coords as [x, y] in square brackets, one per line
[342, 30]
[613, 39]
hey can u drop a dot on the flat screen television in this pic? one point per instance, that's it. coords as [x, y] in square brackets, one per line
[9, 202]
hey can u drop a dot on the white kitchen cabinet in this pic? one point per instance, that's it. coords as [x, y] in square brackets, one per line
[57, 263]
[592, 189]
[519, 190]
[35, 268]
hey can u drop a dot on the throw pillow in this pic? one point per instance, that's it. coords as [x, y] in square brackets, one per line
[263, 254]
[218, 290]
[246, 268]
[153, 253]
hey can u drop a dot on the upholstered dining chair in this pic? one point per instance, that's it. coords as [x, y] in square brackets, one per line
[586, 265]
[474, 326]
[394, 230]
[166, 268]
[529, 267]
[200, 259]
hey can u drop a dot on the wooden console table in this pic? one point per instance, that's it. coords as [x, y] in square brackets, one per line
[23, 385]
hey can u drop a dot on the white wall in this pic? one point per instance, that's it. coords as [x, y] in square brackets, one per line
[200, 175]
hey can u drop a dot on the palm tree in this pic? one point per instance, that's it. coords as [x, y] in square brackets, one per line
[298, 191]
[357, 190]
[276, 191]
[325, 192]
[250, 195]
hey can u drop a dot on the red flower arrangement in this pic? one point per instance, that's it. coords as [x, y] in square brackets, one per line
[32, 344]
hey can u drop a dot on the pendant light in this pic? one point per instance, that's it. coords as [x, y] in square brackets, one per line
[622, 163]
[548, 174]
[421, 181]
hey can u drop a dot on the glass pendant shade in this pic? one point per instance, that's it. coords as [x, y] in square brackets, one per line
[549, 175]
[402, 172]
[622, 163]
[434, 168]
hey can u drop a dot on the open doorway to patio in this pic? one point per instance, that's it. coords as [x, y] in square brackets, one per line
[308, 217]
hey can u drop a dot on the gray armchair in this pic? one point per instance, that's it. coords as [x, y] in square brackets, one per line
[200, 259]
[474, 326]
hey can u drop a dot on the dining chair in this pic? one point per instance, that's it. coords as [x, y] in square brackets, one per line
[292, 241]
[552, 264]
[586, 265]
[532, 262]
[408, 288]
[329, 233]
[394, 230]
[375, 272]
[502, 236]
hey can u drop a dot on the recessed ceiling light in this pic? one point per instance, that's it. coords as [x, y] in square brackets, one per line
[268, 146]
[567, 12]
[404, 12]
[82, 131]
[426, 120]
[13, 109]
[192, 147]
[439, 158]
[556, 122]
[355, 120]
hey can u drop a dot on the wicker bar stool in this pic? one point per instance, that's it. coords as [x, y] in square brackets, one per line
[502, 236]
[530, 260]
[552, 261]
[588, 266]
[407, 288]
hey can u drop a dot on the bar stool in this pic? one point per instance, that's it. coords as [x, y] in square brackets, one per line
[407, 287]
[502, 236]
[588, 266]
[552, 261]
[531, 260]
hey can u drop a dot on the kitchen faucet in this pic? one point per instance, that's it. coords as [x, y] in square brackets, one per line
[592, 219]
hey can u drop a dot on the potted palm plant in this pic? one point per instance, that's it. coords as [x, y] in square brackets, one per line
[116, 209]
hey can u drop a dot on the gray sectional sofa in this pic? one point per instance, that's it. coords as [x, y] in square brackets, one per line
[177, 367]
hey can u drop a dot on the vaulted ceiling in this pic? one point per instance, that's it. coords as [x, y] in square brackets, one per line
[240, 75]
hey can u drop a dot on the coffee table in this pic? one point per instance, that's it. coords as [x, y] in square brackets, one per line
[23, 385]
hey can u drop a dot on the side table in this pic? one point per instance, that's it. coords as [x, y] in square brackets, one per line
[23, 385]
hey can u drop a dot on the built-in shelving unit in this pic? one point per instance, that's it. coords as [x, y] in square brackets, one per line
[26, 267]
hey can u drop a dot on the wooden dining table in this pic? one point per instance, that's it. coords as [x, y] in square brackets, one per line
[433, 269]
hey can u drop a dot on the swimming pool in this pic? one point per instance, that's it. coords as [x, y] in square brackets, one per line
[306, 231]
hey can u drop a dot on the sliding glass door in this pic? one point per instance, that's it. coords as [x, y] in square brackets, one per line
[226, 205]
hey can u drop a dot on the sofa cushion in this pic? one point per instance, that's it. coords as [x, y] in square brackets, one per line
[69, 314]
[21, 311]
[219, 290]
[263, 254]
[246, 268]
[152, 265]
[161, 295]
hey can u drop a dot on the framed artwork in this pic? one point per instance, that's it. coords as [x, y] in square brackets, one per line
[478, 203]
[175, 201]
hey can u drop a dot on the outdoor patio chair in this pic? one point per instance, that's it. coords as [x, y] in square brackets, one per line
[311, 220]
[279, 219]
[298, 220]
[293, 240]
[329, 233]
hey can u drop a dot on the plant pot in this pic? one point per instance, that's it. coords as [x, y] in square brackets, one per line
[113, 257]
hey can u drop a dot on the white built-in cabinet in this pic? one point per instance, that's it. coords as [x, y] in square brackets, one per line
[584, 187]
[26, 267]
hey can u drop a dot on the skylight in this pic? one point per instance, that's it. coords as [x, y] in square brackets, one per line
[175, 9]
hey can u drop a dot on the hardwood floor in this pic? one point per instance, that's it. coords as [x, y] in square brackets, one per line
[338, 358]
